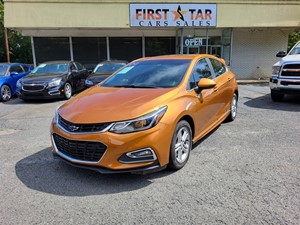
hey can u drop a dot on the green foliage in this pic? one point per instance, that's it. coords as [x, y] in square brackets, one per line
[19, 46]
[293, 39]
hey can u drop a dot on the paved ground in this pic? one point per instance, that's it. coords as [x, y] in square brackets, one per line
[245, 172]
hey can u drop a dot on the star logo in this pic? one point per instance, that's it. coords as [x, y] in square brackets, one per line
[179, 13]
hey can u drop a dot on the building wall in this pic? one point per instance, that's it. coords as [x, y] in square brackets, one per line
[254, 50]
[115, 14]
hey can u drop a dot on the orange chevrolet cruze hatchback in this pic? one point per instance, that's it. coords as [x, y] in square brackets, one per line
[147, 115]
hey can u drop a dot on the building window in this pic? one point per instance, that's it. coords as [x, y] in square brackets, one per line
[125, 48]
[160, 46]
[89, 51]
[49, 49]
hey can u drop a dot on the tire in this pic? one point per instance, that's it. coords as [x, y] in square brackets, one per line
[5, 93]
[233, 108]
[181, 146]
[276, 97]
[67, 90]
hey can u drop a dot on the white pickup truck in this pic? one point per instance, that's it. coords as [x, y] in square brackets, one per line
[285, 77]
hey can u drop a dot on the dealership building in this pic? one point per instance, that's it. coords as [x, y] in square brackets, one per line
[247, 34]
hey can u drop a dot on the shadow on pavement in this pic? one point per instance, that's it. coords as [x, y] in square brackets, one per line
[290, 103]
[18, 101]
[43, 173]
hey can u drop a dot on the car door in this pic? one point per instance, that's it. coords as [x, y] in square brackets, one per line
[223, 89]
[16, 72]
[74, 77]
[205, 107]
[83, 73]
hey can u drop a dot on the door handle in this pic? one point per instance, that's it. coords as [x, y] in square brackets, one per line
[215, 89]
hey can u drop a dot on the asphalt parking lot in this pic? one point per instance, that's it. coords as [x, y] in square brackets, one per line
[244, 172]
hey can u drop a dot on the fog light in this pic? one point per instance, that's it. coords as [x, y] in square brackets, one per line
[143, 155]
[140, 154]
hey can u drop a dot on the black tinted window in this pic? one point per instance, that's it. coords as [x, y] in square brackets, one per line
[17, 69]
[218, 67]
[79, 66]
[201, 69]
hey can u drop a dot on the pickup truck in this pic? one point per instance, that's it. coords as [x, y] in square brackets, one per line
[285, 77]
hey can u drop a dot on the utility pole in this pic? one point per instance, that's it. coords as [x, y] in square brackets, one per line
[6, 45]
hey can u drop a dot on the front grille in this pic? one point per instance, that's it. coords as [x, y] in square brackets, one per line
[291, 70]
[33, 87]
[80, 150]
[81, 128]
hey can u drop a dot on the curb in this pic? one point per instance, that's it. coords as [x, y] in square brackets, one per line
[252, 81]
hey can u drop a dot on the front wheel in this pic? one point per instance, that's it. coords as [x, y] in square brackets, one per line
[233, 108]
[68, 90]
[276, 97]
[5, 93]
[181, 145]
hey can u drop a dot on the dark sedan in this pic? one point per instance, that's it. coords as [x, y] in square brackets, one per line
[56, 79]
[103, 70]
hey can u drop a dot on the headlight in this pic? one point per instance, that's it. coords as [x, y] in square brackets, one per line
[275, 70]
[55, 118]
[54, 83]
[89, 83]
[142, 123]
[19, 84]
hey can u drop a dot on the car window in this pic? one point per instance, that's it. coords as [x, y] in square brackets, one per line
[73, 67]
[79, 66]
[26, 68]
[3, 70]
[201, 70]
[17, 69]
[218, 67]
[150, 73]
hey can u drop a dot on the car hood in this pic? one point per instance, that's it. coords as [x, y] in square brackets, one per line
[105, 104]
[288, 59]
[41, 78]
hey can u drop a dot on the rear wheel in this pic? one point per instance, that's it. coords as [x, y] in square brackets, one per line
[5, 93]
[233, 108]
[181, 145]
[276, 97]
[68, 90]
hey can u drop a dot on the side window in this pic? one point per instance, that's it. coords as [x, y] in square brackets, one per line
[17, 69]
[73, 67]
[218, 67]
[79, 66]
[201, 69]
[26, 68]
[192, 84]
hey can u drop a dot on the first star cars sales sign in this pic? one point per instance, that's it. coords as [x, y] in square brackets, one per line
[173, 15]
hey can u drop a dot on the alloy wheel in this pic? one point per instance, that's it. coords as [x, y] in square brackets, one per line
[5, 93]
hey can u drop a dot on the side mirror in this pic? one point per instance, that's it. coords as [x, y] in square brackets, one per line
[205, 83]
[281, 54]
[14, 73]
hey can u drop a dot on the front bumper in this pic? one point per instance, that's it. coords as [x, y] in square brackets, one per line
[158, 139]
[48, 93]
[285, 85]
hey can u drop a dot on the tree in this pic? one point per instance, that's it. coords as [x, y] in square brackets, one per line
[293, 39]
[19, 46]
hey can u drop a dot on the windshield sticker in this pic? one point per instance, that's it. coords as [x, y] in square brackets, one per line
[125, 70]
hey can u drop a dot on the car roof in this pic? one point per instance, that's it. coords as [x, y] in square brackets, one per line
[10, 64]
[57, 62]
[113, 61]
[182, 56]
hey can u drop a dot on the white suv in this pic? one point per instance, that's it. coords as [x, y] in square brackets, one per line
[286, 74]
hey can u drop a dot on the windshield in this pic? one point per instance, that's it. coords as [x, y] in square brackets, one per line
[150, 74]
[108, 68]
[3, 70]
[59, 68]
[295, 50]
